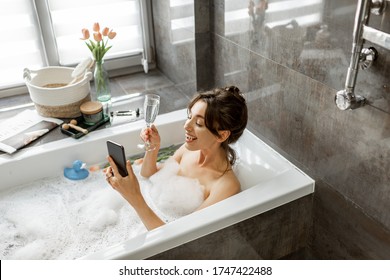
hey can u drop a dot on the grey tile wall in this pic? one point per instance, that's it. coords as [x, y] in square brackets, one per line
[271, 235]
[290, 66]
[174, 40]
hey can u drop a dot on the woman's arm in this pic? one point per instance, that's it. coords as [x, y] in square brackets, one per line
[129, 188]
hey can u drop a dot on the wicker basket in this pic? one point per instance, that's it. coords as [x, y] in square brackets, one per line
[51, 94]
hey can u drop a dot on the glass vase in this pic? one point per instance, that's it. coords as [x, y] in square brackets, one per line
[102, 86]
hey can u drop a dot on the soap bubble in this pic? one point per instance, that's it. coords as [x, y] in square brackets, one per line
[55, 218]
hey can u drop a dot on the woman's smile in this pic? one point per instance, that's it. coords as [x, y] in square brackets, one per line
[190, 138]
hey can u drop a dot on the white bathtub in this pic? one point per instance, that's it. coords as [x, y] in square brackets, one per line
[268, 180]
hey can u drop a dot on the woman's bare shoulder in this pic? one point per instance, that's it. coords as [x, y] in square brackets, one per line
[230, 181]
[226, 186]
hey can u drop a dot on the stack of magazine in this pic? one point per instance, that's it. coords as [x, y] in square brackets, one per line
[22, 129]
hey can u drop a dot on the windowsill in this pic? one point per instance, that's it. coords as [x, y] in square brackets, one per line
[127, 94]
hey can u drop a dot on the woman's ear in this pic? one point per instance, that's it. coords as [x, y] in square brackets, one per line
[223, 135]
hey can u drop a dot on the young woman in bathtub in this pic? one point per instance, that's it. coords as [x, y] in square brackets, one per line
[216, 119]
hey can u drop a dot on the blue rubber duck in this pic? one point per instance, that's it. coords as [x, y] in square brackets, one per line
[77, 171]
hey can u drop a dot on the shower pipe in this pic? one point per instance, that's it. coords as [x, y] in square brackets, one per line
[362, 57]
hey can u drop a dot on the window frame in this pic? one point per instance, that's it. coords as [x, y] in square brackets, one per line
[116, 66]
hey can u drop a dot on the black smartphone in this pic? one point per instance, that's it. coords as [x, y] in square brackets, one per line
[117, 152]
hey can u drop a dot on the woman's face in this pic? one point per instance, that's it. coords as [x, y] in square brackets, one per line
[198, 136]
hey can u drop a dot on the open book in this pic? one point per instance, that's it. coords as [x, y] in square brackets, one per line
[24, 128]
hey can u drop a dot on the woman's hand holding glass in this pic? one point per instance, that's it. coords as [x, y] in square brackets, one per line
[151, 135]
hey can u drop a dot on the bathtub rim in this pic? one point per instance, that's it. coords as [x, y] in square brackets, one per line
[29, 156]
[211, 219]
[149, 243]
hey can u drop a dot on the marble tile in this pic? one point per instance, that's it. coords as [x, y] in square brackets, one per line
[270, 235]
[17, 100]
[314, 39]
[298, 115]
[204, 75]
[344, 232]
[172, 99]
[174, 38]
[202, 16]
[140, 82]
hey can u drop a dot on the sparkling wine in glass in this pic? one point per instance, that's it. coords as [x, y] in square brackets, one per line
[151, 107]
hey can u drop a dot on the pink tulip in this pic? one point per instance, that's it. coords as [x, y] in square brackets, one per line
[85, 34]
[105, 31]
[96, 27]
[111, 34]
[97, 36]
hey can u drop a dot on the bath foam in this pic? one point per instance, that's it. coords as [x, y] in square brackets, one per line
[174, 196]
[56, 218]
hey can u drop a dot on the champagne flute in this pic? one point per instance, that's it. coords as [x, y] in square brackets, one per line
[151, 107]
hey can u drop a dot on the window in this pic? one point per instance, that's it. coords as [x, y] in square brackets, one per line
[47, 32]
[21, 43]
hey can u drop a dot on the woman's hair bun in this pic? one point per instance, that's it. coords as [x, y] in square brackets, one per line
[233, 89]
[236, 92]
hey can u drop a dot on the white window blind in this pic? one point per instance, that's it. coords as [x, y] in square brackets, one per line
[70, 16]
[21, 44]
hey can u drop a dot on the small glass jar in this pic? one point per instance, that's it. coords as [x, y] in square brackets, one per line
[92, 112]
